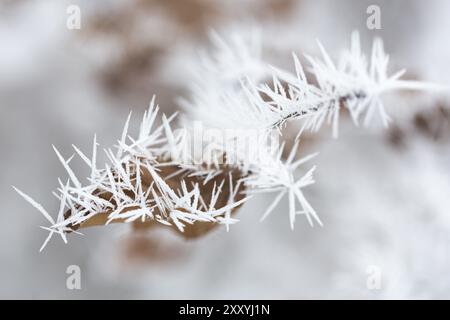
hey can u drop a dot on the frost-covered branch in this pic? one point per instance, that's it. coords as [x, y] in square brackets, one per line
[356, 83]
[140, 185]
[155, 177]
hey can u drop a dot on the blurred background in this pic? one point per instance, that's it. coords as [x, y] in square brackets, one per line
[383, 194]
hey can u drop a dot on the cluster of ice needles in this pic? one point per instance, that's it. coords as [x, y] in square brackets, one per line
[230, 92]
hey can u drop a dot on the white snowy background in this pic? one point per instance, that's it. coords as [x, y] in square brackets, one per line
[381, 206]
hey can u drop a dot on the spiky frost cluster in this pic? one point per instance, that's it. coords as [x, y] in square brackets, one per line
[229, 91]
[118, 188]
[250, 102]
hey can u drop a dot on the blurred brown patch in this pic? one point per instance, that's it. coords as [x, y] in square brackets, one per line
[140, 53]
[396, 136]
[139, 249]
[141, 46]
[432, 123]
[435, 123]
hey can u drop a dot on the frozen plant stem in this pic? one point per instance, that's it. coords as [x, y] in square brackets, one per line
[355, 83]
[152, 179]
[318, 106]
